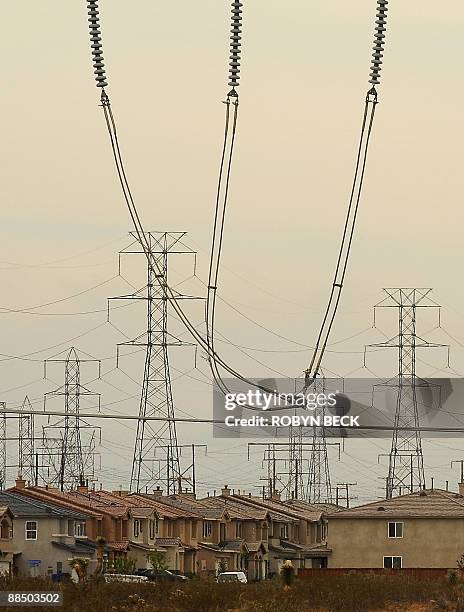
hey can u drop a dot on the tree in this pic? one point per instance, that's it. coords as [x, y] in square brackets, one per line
[157, 561]
[221, 566]
[79, 565]
[100, 551]
[287, 572]
[124, 565]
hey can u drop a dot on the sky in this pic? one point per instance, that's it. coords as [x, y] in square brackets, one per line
[304, 79]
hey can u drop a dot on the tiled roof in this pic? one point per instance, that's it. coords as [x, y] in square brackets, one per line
[424, 504]
[235, 509]
[58, 498]
[20, 505]
[277, 510]
[168, 542]
[182, 506]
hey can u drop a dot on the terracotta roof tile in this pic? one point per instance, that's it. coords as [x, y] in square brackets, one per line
[424, 504]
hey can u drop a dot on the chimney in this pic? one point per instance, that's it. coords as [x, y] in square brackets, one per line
[120, 492]
[82, 488]
[20, 483]
[275, 496]
[158, 492]
[225, 492]
[461, 488]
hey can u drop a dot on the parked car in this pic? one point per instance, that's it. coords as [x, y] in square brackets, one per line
[161, 576]
[124, 578]
[232, 577]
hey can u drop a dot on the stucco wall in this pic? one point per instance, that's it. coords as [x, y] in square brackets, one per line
[425, 543]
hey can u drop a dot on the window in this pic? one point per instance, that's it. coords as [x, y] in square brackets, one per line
[207, 529]
[194, 529]
[99, 528]
[4, 530]
[153, 528]
[70, 527]
[79, 529]
[170, 529]
[284, 531]
[31, 530]
[137, 527]
[395, 530]
[59, 567]
[238, 529]
[222, 532]
[393, 562]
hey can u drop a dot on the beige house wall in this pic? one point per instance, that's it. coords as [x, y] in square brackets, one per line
[42, 549]
[427, 543]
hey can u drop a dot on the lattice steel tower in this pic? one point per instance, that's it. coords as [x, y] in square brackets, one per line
[156, 459]
[26, 442]
[406, 460]
[319, 487]
[71, 461]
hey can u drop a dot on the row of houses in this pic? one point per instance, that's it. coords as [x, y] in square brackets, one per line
[42, 529]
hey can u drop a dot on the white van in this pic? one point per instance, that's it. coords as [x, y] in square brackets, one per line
[232, 577]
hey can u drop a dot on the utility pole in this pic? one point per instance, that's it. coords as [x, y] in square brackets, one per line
[277, 454]
[344, 487]
[26, 442]
[406, 461]
[461, 463]
[156, 458]
[71, 461]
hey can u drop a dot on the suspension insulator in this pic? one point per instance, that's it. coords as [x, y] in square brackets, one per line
[379, 42]
[96, 46]
[235, 44]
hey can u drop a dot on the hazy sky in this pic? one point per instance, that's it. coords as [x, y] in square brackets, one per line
[304, 78]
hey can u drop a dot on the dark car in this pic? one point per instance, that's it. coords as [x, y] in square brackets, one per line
[161, 576]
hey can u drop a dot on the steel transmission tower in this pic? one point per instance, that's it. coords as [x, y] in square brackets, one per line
[319, 488]
[26, 442]
[3, 442]
[406, 461]
[156, 459]
[71, 460]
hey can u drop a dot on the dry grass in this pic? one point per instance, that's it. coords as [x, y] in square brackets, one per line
[321, 593]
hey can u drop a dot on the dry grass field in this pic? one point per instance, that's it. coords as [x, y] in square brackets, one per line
[321, 593]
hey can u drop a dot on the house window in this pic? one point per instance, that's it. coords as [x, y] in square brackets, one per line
[137, 528]
[70, 527]
[222, 532]
[99, 528]
[284, 531]
[395, 530]
[4, 530]
[393, 562]
[170, 529]
[194, 529]
[153, 527]
[207, 529]
[59, 567]
[79, 529]
[31, 530]
[238, 529]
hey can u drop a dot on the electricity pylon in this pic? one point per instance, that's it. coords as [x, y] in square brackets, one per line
[26, 442]
[406, 460]
[71, 461]
[156, 459]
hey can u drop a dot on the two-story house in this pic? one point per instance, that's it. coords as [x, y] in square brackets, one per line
[44, 536]
[7, 549]
[418, 530]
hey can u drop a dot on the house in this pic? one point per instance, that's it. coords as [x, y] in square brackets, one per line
[7, 548]
[109, 519]
[298, 531]
[43, 536]
[418, 530]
